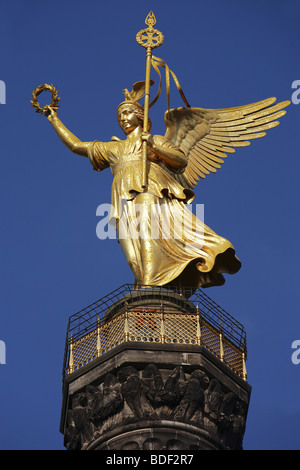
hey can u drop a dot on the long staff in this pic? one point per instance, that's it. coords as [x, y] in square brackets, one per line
[149, 38]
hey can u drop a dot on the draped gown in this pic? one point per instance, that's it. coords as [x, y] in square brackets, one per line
[164, 242]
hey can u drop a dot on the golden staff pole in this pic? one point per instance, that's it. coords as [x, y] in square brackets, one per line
[148, 38]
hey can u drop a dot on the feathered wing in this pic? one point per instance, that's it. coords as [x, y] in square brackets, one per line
[207, 135]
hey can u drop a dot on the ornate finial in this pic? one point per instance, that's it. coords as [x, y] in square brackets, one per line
[150, 37]
[150, 20]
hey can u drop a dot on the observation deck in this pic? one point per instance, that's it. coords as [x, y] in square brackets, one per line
[157, 315]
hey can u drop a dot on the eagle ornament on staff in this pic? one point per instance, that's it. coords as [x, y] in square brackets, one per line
[154, 176]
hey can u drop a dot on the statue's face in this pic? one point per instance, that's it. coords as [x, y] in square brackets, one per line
[128, 119]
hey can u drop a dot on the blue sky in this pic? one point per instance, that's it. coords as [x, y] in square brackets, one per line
[225, 54]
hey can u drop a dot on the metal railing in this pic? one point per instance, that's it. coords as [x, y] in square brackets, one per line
[154, 315]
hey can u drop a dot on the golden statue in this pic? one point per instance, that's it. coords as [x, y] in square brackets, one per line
[154, 177]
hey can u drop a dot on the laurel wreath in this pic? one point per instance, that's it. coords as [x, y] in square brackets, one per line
[54, 103]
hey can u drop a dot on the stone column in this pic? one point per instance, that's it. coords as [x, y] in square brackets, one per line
[154, 396]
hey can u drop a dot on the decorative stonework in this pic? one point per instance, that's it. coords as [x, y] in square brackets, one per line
[158, 374]
[167, 401]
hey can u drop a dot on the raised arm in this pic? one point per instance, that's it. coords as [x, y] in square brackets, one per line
[69, 139]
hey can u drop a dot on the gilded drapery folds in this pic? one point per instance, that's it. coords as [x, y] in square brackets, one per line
[163, 241]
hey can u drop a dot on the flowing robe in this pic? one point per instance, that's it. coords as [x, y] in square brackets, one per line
[163, 241]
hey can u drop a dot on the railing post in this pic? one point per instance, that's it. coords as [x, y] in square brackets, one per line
[162, 326]
[71, 359]
[221, 345]
[99, 349]
[126, 328]
[244, 366]
[198, 326]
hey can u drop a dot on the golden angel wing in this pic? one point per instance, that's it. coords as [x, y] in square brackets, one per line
[207, 135]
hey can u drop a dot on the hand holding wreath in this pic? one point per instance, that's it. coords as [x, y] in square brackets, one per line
[47, 109]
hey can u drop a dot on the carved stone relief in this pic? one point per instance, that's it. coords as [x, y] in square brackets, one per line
[132, 396]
